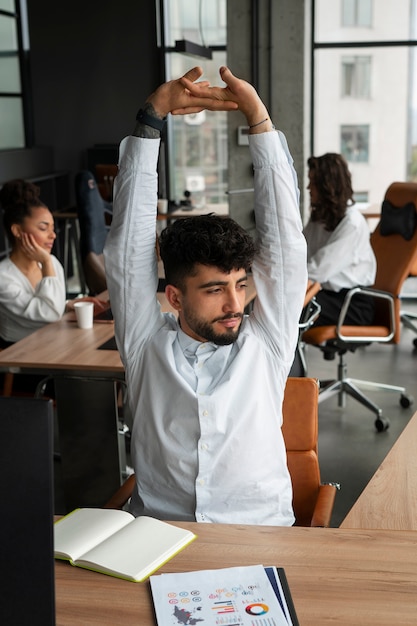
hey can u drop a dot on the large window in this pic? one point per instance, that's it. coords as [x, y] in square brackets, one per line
[12, 104]
[197, 144]
[364, 92]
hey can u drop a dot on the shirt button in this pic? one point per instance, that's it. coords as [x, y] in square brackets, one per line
[205, 413]
[201, 481]
[204, 446]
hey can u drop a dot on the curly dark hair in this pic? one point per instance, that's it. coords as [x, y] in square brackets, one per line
[333, 183]
[208, 240]
[18, 198]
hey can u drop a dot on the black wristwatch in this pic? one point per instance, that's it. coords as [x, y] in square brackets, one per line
[149, 120]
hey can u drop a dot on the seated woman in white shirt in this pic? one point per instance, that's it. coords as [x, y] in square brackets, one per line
[339, 252]
[32, 281]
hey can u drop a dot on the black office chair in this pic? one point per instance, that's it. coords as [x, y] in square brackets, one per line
[91, 210]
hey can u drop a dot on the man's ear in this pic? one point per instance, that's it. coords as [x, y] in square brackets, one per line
[173, 295]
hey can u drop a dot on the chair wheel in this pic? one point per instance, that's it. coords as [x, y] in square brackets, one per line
[381, 424]
[406, 401]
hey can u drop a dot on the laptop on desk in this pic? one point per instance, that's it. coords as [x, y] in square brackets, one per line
[26, 518]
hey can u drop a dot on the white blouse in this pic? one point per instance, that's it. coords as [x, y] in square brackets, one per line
[342, 258]
[24, 309]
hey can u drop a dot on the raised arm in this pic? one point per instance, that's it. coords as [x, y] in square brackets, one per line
[130, 256]
[280, 267]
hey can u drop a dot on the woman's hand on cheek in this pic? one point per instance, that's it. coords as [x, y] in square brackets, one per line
[32, 250]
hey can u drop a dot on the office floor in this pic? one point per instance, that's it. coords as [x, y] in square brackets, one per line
[350, 448]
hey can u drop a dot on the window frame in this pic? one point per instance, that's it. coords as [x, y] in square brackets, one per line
[22, 53]
[320, 45]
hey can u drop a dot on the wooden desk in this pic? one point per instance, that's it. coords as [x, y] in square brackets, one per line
[86, 382]
[389, 501]
[336, 576]
[371, 211]
[218, 209]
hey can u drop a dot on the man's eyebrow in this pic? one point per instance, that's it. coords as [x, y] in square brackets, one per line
[215, 283]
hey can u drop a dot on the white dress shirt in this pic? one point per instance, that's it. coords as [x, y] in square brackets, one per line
[24, 309]
[206, 440]
[342, 258]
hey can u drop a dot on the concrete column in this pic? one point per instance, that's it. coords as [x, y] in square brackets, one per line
[267, 44]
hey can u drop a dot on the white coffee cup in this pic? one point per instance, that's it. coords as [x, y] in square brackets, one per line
[84, 312]
[162, 206]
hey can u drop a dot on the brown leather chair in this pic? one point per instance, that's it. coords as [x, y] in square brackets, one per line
[400, 194]
[312, 501]
[395, 258]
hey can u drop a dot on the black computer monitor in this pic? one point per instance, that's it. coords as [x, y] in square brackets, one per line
[27, 510]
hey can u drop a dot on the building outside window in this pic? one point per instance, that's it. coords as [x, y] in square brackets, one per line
[364, 92]
[197, 144]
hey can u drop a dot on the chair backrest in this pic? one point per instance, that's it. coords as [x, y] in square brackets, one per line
[400, 194]
[395, 255]
[90, 209]
[93, 231]
[300, 430]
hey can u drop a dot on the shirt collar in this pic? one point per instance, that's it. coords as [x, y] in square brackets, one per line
[189, 346]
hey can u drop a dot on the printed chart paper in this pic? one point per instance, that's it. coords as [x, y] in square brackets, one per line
[235, 596]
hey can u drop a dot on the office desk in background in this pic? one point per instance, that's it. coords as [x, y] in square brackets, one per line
[389, 501]
[86, 382]
[343, 577]
[218, 209]
[372, 214]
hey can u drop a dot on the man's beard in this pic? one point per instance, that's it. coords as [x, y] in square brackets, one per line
[205, 329]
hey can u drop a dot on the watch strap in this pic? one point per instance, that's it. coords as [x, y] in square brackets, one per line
[150, 120]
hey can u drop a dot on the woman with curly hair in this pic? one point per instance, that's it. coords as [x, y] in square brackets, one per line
[339, 252]
[32, 281]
